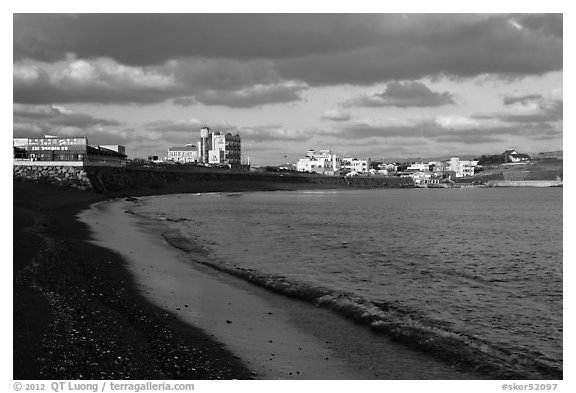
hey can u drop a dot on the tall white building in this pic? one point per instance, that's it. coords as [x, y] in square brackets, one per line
[322, 162]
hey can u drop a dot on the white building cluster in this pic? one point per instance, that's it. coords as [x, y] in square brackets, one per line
[327, 163]
[322, 162]
[435, 171]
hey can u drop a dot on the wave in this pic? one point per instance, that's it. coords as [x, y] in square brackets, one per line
[400, 324]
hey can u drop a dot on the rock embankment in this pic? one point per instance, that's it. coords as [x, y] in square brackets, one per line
[147, 181]
[67, 176]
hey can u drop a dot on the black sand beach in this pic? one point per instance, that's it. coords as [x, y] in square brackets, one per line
[77, 314]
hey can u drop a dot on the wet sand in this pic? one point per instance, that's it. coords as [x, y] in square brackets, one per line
[274, 336]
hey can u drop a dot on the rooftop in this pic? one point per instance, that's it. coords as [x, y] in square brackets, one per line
[182, 148]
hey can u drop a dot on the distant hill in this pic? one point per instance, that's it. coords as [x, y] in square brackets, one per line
[428, 159]
[558, 154]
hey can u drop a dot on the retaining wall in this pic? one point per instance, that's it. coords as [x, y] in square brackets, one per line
[67, 176]
[128, 180]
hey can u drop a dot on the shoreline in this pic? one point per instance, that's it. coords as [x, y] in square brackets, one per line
[276, 336]
[77, 312]
[55, 209]
[65, 297]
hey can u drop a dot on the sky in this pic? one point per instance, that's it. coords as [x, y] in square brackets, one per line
[362, 85]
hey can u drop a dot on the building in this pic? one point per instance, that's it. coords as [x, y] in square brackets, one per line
[219, 148]
[355, 165]
[461, 168]
[58, 151]
[183, 154]
[117, 148]
[225, 149]
[437, 166]
[512, 156]
[204, 144]
[418, 167]
[421, 178]
[322, 162]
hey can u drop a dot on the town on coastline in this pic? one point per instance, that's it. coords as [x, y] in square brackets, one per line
[223, 151]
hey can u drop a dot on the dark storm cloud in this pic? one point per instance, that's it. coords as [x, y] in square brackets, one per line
[403, 95]
[424, 45]
[145, 39]
[551, 24]
[318, 49]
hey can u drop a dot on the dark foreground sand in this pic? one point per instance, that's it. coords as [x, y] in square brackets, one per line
[77, 314]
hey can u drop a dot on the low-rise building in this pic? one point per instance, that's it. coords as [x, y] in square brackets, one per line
[437, 166]
[421, 178]
[512, 156]
[59, 151]
[183, 154]
[425, 178]
[322, 162]
[418, 167]
[351, 164]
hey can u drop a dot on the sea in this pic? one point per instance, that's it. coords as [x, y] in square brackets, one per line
[483, 265]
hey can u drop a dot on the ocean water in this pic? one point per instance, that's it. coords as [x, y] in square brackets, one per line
[483, 264]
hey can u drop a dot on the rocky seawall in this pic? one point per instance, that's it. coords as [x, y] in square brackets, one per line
[150, 181]
[66, 176]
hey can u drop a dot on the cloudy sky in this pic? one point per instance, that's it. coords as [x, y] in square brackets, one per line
[366, 85]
